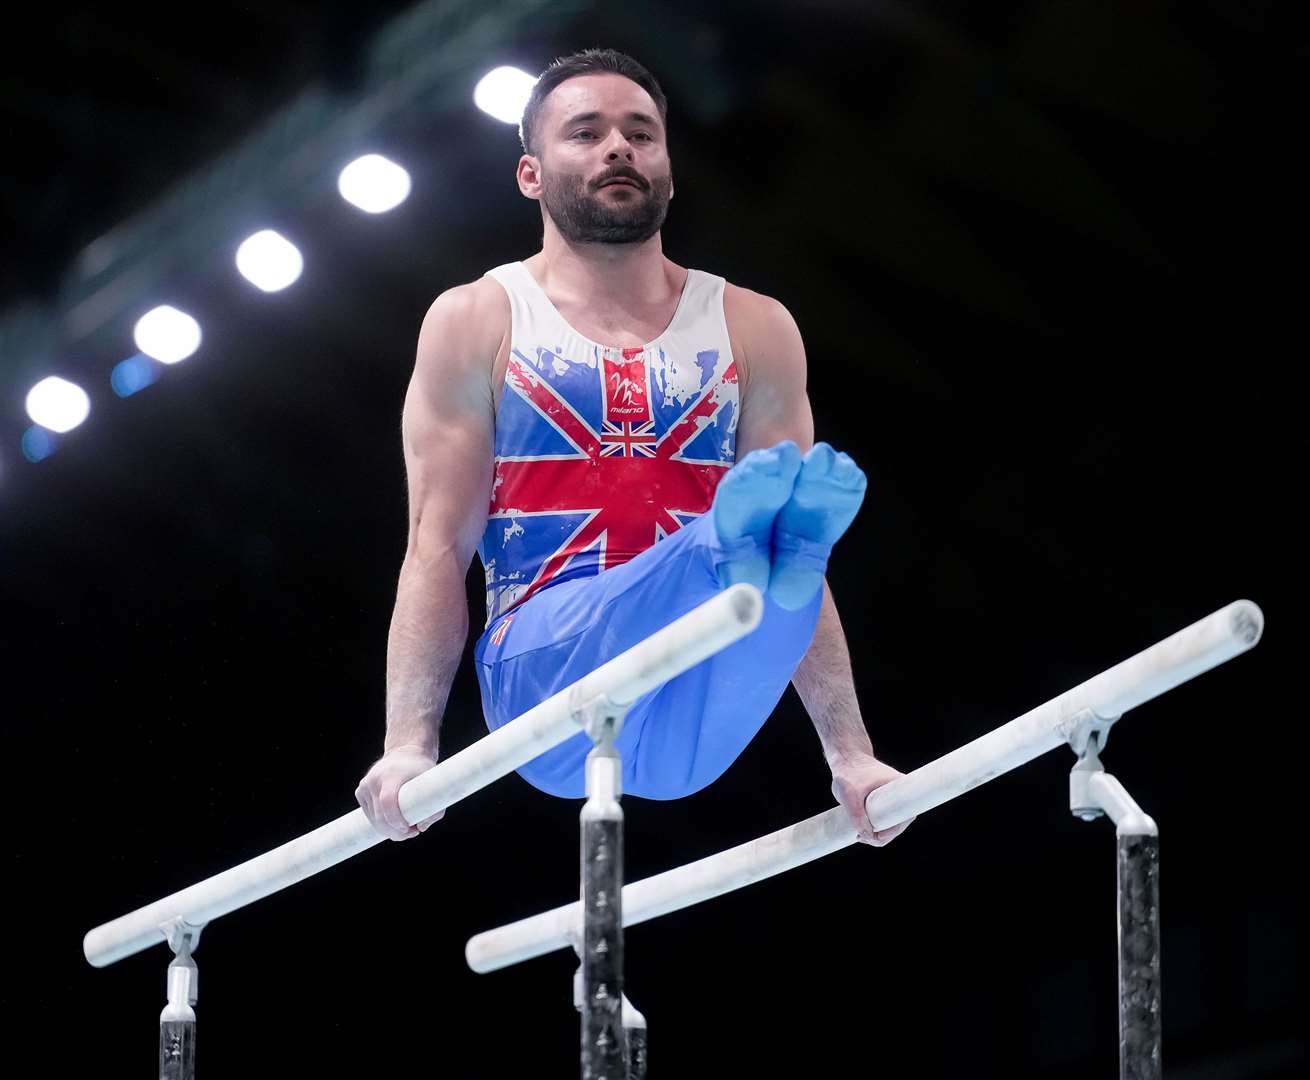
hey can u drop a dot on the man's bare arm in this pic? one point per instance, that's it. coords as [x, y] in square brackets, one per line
[448, 431]
[775, 406]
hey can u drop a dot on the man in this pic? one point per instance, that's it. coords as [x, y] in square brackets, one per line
[642, 436]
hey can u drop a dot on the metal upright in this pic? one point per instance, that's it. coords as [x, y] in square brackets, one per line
[634, 1031]
[599, 991]
[177, 1023]
[1093, 793]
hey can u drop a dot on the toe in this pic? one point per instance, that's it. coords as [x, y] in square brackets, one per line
[845, 473]
[852, 475]
[766, 459]
[786, 454]
[789, 455]
[819, 461]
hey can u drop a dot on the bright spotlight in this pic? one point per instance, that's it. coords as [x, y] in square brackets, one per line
[58, 404]
[503, 93]
[167, 334]
[374, 184]
[269, 260]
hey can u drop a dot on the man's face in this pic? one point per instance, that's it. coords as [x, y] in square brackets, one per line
[594, 131]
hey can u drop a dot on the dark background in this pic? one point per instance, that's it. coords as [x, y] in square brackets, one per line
[1047, 259]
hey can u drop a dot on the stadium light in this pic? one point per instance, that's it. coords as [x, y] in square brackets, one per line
[269, 261]
[167, 334]
[503, 93]
[57, 404]
[373, 183]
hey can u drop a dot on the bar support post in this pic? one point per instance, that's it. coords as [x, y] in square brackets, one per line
[634, 1031]
[1094, 793]
[600, 993]
[177, 1023]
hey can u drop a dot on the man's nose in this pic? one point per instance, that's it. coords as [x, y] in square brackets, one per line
[618, 147]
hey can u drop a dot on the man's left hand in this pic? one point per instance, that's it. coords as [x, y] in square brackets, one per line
[853, 777]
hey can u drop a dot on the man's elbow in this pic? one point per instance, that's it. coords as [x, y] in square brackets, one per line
[438, 548]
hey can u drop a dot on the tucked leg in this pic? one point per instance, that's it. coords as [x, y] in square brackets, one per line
[679, 737]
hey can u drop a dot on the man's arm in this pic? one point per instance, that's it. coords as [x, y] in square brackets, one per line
[448, 432]
[774, 407]
[826, 685]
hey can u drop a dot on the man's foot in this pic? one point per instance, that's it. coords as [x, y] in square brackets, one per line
[823, 503]
[746, 502]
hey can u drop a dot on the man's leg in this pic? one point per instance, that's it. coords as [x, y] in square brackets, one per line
[599, 618]
[683, 735]
[709, 714]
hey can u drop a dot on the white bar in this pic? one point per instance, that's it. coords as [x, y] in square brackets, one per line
[1165, 665]
[681, 645]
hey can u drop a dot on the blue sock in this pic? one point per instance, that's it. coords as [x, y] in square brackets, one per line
[746, 502]
[823, 503]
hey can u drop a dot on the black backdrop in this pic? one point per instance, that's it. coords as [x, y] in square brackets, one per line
[1046, 264]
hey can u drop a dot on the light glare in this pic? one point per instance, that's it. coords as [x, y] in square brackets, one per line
[269, 260]
[374, 184]
[503, 93]
[38, 444]
[133, 375]
[167, 334]
[57, 404]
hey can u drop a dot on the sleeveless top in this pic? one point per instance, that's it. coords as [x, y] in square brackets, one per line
[601, 451]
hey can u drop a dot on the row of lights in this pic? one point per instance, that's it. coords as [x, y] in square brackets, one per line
[268, 260]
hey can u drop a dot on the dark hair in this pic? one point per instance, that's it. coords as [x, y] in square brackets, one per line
[587, 62]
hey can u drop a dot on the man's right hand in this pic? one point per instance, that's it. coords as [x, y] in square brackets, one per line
[378, 793]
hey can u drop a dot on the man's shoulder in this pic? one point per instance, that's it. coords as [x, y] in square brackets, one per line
[756, 324]
[483, 298]
[475, 314]
[752, 311]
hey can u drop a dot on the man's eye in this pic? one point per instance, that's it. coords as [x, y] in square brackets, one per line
[577, 133]
[644, 135]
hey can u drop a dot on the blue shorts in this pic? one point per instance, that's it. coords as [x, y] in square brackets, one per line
[679, 737]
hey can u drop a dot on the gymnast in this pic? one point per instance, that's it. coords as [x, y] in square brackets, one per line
[618, 438]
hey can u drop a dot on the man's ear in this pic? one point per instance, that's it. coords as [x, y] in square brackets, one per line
[529, 176]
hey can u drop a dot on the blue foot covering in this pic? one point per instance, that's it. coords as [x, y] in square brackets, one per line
[746, 502]
[824, 501]
[798, 568]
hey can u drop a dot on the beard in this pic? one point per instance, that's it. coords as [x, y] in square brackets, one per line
[584, 216]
